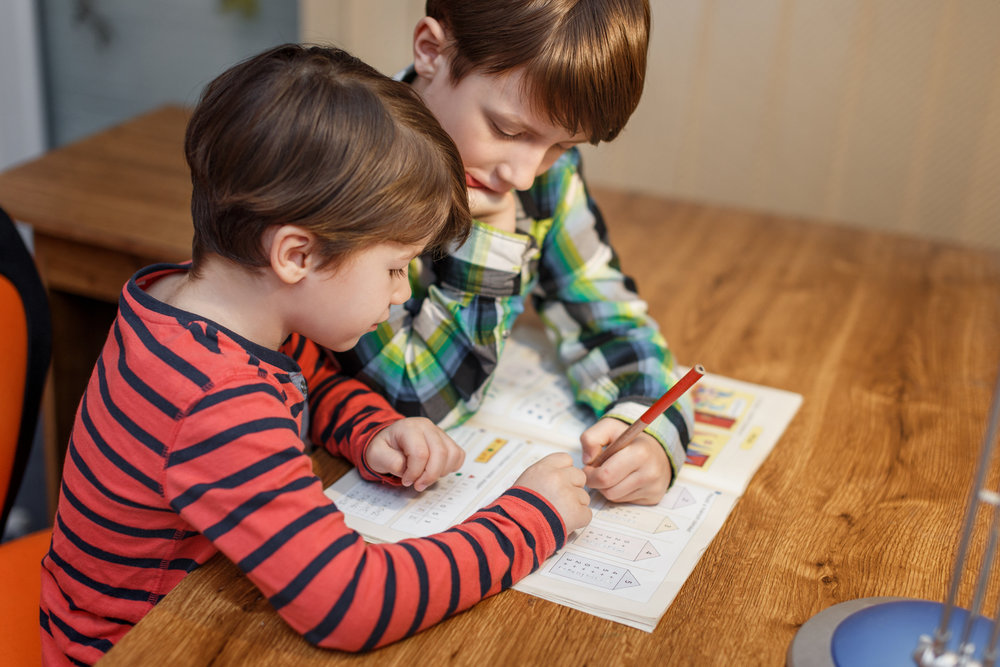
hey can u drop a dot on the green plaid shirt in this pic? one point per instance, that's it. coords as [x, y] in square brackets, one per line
[436, 353]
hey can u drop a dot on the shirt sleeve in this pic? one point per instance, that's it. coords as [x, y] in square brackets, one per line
[617, 361]
[340, 414]
[236, 472]
[435, 354]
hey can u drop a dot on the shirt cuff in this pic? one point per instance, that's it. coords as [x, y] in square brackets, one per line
[488, 263]
[544, 521]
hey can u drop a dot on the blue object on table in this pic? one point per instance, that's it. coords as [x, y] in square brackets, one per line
[886, 634]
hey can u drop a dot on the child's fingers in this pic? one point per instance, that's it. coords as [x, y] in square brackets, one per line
[564, 466]
[598, 436]
[457, 455]
[624, 463]
[631, 489]
[631, 475]
[386, 460]
[558, 460]
[414, 448]
[444, 456]
[612, 471]
[447, 451]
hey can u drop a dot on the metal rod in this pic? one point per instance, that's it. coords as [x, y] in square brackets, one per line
[965, 646]
[941, 634]
[990, 654]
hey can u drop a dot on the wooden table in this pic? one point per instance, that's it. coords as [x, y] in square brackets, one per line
[101, 208]
[893, 342]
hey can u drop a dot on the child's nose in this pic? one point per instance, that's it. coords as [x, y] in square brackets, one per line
[520, 169]
[402, 292]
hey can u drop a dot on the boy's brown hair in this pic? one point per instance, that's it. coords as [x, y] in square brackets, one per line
[585, 60]
[314, 137]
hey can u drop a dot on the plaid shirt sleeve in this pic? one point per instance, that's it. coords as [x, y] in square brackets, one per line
[436, 353]
[616, 358]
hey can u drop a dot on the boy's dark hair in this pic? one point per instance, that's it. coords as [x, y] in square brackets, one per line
[314, 137]
[585, 60]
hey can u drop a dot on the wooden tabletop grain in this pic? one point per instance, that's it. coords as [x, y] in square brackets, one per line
[893, 342]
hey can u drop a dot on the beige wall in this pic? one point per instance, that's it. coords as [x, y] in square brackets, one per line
[882, 113]
[380, 32]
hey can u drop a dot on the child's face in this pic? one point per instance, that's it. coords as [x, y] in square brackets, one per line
[504, 142]
[343, 303]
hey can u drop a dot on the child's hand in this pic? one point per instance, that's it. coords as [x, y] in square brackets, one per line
[415, 450]
[555, 478]
[492, 208]
[639, 473]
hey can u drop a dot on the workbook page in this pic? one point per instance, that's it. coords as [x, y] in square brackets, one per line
[736, 425]
[493, 461]
[631, 560]
[530, 394]
[626, 565]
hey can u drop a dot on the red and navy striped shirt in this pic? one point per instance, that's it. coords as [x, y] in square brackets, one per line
[187, 442]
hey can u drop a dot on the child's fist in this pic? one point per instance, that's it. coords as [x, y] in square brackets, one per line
[640, 473]
[415, 450]
[555, 478]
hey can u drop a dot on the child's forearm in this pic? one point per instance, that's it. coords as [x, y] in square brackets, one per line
[362, 596]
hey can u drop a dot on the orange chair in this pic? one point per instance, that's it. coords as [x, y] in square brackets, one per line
[26, 345]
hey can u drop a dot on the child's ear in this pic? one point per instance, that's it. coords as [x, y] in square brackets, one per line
[429, 40]
[291, 251]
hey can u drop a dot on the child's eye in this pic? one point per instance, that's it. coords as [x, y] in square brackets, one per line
[398, 273]
[504, 135]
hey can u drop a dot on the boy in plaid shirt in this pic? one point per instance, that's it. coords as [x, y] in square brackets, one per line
[518, 85]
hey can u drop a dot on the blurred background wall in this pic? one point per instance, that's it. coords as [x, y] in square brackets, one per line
[109, 60]
[878, 113]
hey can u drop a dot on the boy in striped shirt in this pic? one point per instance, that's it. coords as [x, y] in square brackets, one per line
[518, 85]
[316, 181]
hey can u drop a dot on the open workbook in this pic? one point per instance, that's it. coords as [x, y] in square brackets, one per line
[629, 563]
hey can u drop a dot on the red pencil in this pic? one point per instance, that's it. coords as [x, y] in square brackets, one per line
[655, 410]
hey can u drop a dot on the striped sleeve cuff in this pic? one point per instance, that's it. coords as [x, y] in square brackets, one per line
[543, 520]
